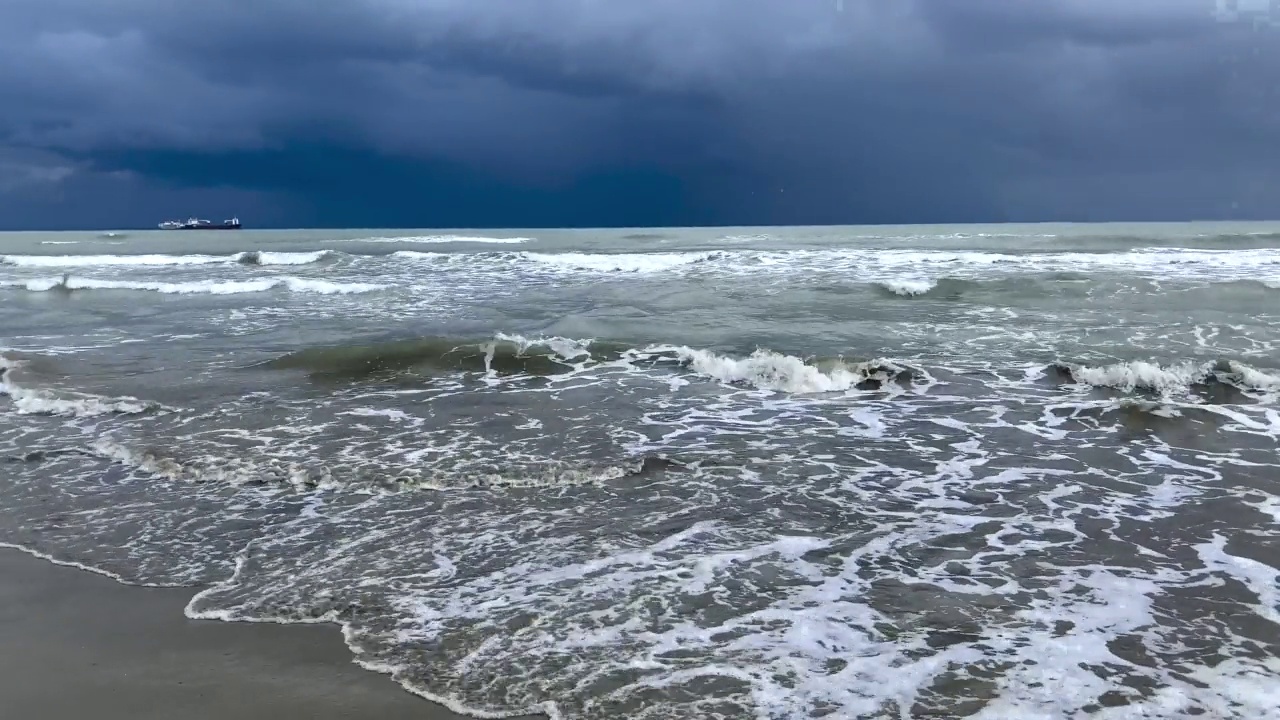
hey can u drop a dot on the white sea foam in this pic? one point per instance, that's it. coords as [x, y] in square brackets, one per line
[619, 263]
[1270, 506]
[33, 401]
[39, 402]
[424, 256]
[325, 287]
[898, 269]
[769, 370]
[1253, 378]
[568, 262]
[1262, 580]
[1141, 375]
[110, 260]
[444, 239]
[908, 287]
[209, 287]
[837, 556]
[831, 604]
[260, 257]
[565, 348]
[1177, 377]
[82, 566]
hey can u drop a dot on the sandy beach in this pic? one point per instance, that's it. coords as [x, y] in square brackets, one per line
[81, 645]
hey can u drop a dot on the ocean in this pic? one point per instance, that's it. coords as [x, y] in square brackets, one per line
[1007, 471]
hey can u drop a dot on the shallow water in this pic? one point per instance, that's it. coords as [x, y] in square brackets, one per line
[995, 472]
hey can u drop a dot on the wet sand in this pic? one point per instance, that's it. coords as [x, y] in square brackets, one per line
[75, 645]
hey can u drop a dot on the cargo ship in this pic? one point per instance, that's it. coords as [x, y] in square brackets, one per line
[198, 224]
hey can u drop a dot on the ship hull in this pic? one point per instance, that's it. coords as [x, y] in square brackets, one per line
[195, 223]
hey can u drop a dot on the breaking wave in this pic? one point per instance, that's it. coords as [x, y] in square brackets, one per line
[897, 271]
[445, 239]
[620, 263]
[1169, 379]
[730, 507]
[261, 257]
[516, 355]
[574, 261]
[252, 257]
[32, 401]
[208, 287]
[768, 370]
[762, 369]
[908, 288]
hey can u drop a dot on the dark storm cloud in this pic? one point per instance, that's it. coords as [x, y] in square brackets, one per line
[1016, 24]
[489, 112]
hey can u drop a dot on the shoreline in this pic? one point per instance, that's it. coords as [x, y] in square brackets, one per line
[82, 644]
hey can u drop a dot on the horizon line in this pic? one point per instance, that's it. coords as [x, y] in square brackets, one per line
[281, 228]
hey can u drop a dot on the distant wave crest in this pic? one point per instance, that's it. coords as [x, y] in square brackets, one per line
[68, 283]
[443, 240]
[252, 257]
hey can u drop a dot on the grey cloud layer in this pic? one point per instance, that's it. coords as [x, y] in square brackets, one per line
[909, 101]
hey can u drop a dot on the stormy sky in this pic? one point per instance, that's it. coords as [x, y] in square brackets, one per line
[522, 113]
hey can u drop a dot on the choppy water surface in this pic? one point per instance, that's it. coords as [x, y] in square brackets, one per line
[993, 472]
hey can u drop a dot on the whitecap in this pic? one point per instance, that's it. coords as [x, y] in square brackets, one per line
[206, 287]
